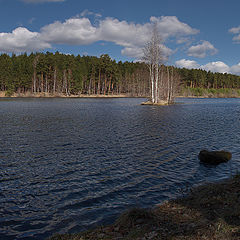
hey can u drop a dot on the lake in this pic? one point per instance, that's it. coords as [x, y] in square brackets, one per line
[70, 164]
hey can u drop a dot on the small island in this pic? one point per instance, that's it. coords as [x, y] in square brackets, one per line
[164, 82]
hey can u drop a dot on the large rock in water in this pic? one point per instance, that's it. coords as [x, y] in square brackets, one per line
[214, 157]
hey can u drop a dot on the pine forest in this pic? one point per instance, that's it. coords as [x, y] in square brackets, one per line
[61, 74]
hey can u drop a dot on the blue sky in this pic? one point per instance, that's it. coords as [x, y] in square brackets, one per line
[195, 34]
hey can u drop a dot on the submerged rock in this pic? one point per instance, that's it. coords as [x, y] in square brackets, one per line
[214, 157]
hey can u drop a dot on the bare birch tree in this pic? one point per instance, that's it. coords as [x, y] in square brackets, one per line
[152, 56]
[163, 82]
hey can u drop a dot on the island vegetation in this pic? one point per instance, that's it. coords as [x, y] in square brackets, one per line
[163, 82]
[56, 74]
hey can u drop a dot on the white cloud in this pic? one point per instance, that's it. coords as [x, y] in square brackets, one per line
[131, 36]
[132, 52]
[22, 40]
[202, 50]
[218, 66]
[170, 26]
[74, 31]
[41, 1]
[235, 69]
[190, 64]
[235, 30]
[123, 33]
[80, 31]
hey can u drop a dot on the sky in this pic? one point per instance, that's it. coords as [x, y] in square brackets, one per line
[195, 34]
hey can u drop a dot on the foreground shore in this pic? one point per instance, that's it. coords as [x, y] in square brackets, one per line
[208, 212]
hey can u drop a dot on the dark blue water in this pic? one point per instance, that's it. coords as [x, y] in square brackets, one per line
[69, 164]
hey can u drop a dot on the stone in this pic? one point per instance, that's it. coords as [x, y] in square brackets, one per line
[214, 157]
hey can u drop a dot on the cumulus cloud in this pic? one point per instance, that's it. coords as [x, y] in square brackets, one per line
[235, 69]
[190, 64]
[131, 36]
[170, 26]
[218, 66]
[22, 40]
[80, 31]
[202, 50]
[41, 1]
[74, 31]
[123, 33]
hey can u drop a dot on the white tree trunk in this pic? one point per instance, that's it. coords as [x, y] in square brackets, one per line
[54, 80]
[152, 82]
[156, 84]
[168, 86]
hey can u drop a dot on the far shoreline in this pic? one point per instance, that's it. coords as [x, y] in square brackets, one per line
[3, 94]
[60, 95]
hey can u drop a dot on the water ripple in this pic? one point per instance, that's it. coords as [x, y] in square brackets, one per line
[69, 164]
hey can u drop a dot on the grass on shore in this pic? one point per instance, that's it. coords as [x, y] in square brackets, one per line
[56, 95]
[210, 93]
[208, 212]
[184, 92]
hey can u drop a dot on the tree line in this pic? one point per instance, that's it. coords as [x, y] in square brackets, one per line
[197, 78]
[56, 73]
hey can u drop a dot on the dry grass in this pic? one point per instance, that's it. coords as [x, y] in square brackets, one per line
[48, 95]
